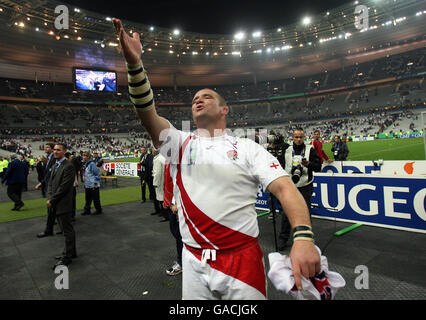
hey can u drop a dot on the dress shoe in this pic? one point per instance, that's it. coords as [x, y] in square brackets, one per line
[85, 214]
[44, 234]
[59, 232]
[62, 262]
[154, 213]
[96, 213]
[19, 206]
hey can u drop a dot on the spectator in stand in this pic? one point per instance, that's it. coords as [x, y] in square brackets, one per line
[340, 149]
[92, 182]
[318, 147]
[15, 179]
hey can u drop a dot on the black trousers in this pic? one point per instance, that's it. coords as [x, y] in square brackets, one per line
[92, 194]
[51, 216]
[74, 200]
[150, 183]
[14, 192]
[306, 192]
[174, 229]
[143, 188]
[65, 223]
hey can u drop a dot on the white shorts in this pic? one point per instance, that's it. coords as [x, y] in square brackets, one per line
[235, 274]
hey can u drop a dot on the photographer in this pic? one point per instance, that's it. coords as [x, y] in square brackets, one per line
[340, 149]
[299, 161]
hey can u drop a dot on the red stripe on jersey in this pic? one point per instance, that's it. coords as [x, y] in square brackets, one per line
[216, 233]
[244, 264]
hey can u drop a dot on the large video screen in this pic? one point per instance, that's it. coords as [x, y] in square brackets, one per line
[95, 79]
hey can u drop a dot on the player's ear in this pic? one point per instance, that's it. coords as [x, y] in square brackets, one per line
[225, 110]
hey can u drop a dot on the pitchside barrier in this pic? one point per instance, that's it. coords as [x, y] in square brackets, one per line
[388, 194]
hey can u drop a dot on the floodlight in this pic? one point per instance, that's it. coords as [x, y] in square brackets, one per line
[256, 34]
[239, 36]
[306, 20]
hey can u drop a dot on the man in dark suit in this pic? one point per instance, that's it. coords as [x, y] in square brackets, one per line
[41, 171]
[48, 231]
[142, 173]
[60, 200]
[15, 180]
[148, 165]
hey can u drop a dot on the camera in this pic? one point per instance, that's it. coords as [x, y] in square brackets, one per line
[296, 172]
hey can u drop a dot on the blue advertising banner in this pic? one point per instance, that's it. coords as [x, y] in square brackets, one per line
[386, 201]
[262, 201]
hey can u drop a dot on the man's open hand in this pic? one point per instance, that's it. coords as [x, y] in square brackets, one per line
[131, 46]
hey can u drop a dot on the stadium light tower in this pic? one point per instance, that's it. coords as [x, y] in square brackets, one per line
[239, 36]
[306, 20]
[256, 34]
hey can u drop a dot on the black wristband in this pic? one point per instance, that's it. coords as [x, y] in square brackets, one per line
[304, 234]
[302, 228]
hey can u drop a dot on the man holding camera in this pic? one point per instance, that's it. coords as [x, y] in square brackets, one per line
[300, 161]
[340, 149]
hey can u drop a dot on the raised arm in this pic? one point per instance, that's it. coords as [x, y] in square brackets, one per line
[140, 90]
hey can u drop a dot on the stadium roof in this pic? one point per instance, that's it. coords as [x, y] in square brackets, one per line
[31, 43]
[215, 17]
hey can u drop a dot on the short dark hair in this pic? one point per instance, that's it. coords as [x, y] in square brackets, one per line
[298, 129]
[64, 147]
[316, 131]
[222, 101]
[51, 145]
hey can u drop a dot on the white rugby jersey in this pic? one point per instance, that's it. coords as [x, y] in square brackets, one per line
[216, 182]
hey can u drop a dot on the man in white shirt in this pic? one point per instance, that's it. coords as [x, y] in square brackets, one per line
[216, 178]
[158, 182]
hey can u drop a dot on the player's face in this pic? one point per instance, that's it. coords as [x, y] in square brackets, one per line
[298, 137]
[205, 105]
[58, 152]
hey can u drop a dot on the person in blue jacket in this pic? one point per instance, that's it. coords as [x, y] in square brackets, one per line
[92, 183]
[15, 178]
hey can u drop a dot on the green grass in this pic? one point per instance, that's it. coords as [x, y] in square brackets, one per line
[387, 149]
[392, 149]
[37, 207]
